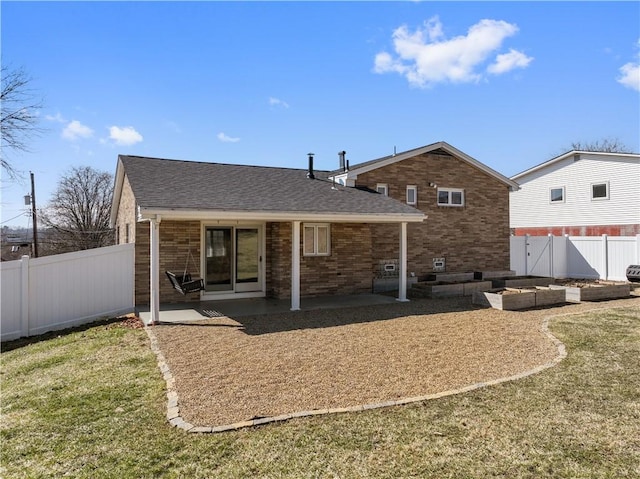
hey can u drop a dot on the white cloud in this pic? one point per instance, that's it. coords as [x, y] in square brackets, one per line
[630, 74]
[75, 130]
[126, 135]
[277, 102]
[508, 61]
[425, 57]
[57, 118]
[227, 139]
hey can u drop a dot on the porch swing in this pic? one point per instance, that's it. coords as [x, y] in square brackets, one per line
[185, 284]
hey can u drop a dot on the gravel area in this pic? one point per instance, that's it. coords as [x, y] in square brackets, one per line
[229, 370]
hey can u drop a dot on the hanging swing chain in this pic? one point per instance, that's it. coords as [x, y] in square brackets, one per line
[189, 255]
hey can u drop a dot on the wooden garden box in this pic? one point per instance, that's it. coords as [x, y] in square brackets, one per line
[594, 291]
[508, 299]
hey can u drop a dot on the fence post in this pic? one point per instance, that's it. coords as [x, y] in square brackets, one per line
[551, 268]
[605, 256]
[24, 296]
[526, 254]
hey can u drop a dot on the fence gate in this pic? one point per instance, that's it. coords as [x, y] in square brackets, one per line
[539, 255]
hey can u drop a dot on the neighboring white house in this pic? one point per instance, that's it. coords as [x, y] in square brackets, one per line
[579, 193]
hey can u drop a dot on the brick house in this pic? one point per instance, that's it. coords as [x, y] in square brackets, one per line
[467, 204]
[253, 231]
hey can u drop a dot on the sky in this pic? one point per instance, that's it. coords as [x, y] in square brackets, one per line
[511, 84]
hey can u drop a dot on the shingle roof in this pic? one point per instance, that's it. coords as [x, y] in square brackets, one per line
[188, 185]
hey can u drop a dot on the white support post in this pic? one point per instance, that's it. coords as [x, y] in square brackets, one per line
[295, 265]
[154, 286]
[402, 286]
[24, 296]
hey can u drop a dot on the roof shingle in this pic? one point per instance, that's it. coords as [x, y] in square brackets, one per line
[189, 185]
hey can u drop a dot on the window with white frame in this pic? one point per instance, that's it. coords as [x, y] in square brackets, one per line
[316, 239]
[412, 195]
[450, 197]
[556, 195]
[383, 189]
[600, 191]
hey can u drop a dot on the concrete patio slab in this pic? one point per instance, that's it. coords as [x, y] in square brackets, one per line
[196, 311]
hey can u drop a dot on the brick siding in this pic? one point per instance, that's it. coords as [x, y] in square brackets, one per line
[593, 230]
[347, 270]
[126, 215]
[177, 238]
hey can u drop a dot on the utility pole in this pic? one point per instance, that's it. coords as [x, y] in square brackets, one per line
[33, 213]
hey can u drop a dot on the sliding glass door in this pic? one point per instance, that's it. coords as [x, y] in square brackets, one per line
[233, 259]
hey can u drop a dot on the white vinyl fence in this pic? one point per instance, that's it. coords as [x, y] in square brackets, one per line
[65, 290]
[590, 257]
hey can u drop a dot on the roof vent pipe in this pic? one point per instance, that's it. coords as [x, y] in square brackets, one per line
[341, 155]
[310, 172]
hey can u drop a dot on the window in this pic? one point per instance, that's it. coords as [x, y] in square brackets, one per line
[450, 197]
[316, 239]
[556, 195]
[126, 233]
[412, 195]
[383, 189]
[600, 191]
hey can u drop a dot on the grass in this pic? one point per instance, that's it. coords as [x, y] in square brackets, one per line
[91, 404]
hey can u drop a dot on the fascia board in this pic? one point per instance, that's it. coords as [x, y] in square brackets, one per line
[569, 154]
[145, 214]
[117, 193]
[426, 149]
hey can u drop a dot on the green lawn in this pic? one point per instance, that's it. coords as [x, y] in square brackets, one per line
[91, 404]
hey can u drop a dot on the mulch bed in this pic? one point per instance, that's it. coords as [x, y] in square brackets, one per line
[229, 370]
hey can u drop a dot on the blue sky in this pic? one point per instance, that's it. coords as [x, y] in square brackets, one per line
[511, 84]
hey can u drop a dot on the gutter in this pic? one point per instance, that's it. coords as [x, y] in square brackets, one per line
[146, 214]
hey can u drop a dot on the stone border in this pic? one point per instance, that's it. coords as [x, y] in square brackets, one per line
[173, 409]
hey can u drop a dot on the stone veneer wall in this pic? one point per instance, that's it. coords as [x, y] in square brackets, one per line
[470, 238]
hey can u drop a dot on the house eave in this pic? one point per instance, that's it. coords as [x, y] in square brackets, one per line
[146, 214]
[355, 170]
[117, 193]
[569, 154]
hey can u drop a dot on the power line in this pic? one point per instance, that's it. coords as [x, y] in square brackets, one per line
[11, 219]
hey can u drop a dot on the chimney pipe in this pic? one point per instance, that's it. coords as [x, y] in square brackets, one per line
[310, 174]
[341, 155]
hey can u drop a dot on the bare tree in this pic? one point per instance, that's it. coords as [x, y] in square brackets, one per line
[19, 108]
[608, 145]
[79, 210]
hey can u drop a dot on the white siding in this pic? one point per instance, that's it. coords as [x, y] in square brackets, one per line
[530, 206]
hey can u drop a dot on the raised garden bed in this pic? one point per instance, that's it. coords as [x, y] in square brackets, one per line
[443, 289]
[512, 299]
[521, 281]
[578, 291]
